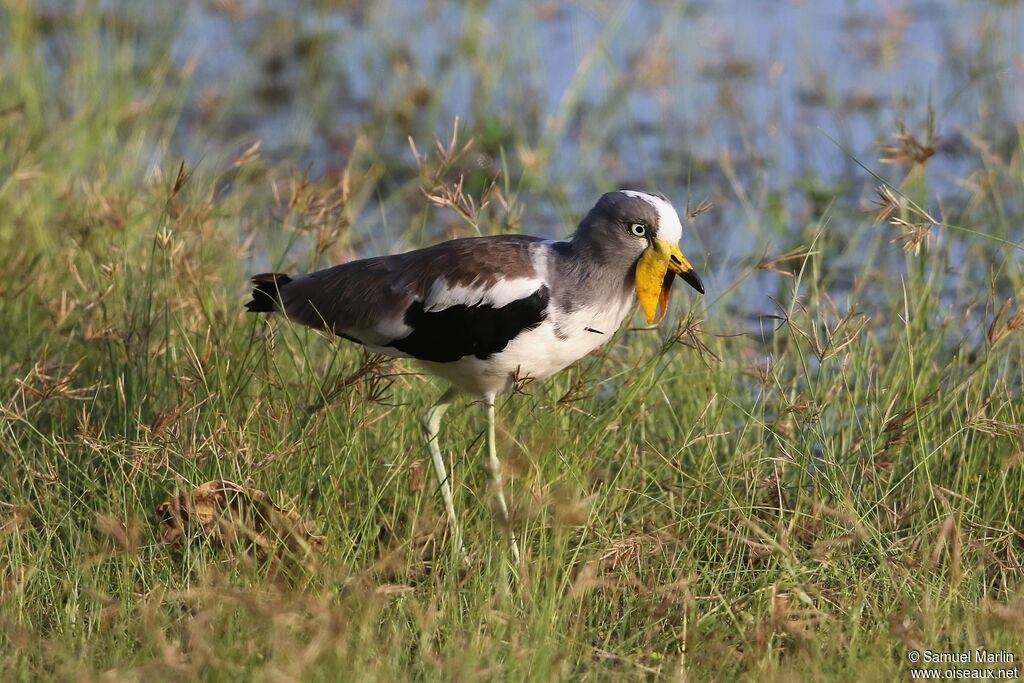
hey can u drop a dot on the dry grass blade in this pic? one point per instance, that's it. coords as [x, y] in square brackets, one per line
[319, 208]
[999, 328]
[55, 382]
[582, 387]
[914, 222]
[689, 333]
[983, 424]
[772, 264]
[520, 382]
[908, 150]
[374, 374]
[451, 194]
[832, 341]
[895, 427]
[886, 205]
[181, 178]
[912, 234]
[250, 154]
[446, 154]
[703, 206]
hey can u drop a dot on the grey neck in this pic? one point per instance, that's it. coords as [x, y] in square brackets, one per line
[585, 274]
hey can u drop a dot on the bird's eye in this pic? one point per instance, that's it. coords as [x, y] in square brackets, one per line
[638, 229]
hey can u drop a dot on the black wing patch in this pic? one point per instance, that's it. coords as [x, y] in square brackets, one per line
[457, 331]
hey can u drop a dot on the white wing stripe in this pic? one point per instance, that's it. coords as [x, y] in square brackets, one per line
[501, 293]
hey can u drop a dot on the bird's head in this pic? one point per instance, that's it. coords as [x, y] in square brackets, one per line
[645, 229]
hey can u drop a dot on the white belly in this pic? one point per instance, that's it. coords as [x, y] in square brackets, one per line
[536, 354]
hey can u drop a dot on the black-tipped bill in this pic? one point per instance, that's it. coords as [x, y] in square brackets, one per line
[691, 278]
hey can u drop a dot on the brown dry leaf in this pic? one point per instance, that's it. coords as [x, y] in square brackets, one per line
[227, 514]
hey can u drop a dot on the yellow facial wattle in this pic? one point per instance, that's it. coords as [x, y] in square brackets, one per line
[655, 270]
[650, 278]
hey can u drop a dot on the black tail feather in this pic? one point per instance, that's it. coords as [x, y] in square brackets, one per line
[266, 292]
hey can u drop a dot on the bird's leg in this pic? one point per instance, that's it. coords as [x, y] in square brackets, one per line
[495, 466]
[431, 428]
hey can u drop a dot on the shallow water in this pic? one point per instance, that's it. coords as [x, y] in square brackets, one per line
[694, 72]
[747, 104]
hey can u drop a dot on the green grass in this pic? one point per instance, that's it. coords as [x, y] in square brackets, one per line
[820, 490]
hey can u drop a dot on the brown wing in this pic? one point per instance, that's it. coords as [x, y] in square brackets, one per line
[368, 300]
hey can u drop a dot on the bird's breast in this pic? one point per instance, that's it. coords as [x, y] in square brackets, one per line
[563, 339]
